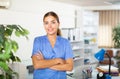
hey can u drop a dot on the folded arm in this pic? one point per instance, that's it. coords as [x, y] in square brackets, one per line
[39, 61]
[55, 64]
[67, 66]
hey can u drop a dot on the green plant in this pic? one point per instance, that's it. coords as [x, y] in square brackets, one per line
[116, 36]
[117, 57]
[8, 47]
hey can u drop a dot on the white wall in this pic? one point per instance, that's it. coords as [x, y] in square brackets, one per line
[64, 11]
[29, 14]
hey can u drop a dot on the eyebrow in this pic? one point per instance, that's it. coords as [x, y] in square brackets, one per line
[50, 21]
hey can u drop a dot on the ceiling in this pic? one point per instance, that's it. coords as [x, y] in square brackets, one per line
[86, 3]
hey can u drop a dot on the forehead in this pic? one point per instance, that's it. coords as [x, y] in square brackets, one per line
[49, 18]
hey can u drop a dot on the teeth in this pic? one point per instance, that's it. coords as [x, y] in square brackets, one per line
[49, 29]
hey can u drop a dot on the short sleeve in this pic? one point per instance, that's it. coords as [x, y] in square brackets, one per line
[36, 46]
[68, 50]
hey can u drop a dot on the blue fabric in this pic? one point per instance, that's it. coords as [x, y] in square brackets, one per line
[62, 49]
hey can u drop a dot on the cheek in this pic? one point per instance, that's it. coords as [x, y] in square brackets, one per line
[55, 29]
[56, 26]
[45, 28]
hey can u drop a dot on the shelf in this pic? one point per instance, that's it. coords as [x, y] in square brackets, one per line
[90, 25]
[83, 39]
[78, 49]
[78, 58]
[76, 41]
[90, 34]
[88, 45]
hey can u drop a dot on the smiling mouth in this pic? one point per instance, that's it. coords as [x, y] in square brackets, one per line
[50, 30]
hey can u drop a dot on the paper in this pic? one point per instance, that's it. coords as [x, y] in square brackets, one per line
[106, 68]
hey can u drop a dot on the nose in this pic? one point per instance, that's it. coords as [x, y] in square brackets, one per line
[49, 25]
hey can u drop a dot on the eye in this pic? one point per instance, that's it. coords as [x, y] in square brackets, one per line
[53, 22]
[45, 23]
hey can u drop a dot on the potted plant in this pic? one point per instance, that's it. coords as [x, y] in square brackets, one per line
[8, 47]
[116, 39]
[116, 36]
[117, 57]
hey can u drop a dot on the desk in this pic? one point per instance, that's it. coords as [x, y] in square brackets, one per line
[94, 74]
[78, 75]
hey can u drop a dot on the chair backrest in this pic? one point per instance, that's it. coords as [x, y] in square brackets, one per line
[110, 52]
[106, 60]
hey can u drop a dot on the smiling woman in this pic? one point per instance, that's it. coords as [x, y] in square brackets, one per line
[52, 55]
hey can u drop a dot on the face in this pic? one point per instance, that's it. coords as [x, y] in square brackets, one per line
[51, 25]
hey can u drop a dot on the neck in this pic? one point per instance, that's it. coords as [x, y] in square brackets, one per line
[52, 37]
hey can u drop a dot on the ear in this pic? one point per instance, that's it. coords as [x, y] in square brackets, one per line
[58, 25]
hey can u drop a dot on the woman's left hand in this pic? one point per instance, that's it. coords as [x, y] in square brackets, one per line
[39, 56]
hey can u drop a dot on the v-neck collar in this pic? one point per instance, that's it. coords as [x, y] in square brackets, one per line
[49, 42]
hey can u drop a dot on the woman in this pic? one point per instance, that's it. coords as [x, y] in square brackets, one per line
[52, 54]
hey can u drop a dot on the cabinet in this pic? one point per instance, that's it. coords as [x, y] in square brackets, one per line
[88, 21]
[74, 36]
[77, 44]
[83, 39]
[90, 34]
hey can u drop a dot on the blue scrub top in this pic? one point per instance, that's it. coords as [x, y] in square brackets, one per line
[62, 49]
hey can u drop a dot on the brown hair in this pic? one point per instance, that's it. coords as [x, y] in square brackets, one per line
[51, 13]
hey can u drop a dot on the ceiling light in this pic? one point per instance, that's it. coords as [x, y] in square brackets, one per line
[4, 4]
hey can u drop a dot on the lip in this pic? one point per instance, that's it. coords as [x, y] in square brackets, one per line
[50, 30]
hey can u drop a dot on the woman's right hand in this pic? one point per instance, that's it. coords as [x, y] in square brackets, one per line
[59, 61]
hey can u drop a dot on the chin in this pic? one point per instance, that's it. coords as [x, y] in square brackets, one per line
[51, 33]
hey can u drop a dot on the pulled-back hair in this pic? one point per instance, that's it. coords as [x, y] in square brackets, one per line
[51, 13]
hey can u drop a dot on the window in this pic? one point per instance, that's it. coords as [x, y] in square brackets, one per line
[107, 20]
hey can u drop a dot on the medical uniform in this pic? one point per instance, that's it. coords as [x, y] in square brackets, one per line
[62, 49]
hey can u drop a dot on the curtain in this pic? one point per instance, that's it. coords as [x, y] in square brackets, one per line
[108, 19]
